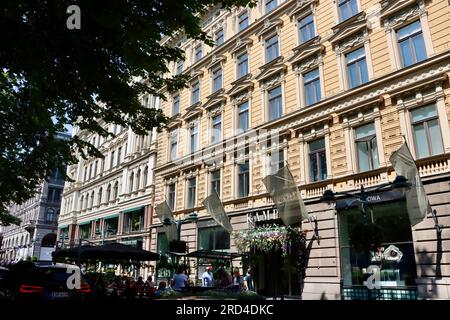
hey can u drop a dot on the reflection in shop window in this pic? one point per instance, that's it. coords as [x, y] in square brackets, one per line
[394, 253]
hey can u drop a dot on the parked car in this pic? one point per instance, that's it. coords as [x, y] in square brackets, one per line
[45, 280]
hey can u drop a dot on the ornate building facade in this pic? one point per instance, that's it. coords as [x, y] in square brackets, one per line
[35, 237]
[110, 199]
[331, 89]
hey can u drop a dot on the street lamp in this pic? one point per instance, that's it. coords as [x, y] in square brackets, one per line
[192, 217]
[400, 184]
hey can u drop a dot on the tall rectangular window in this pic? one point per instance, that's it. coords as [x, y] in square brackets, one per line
[411, 44]
[217, 80]
[171, 196]
[427, 132]
[243, 116]
[195, 93]
[111, 164]
[243, 20]
[312, 86]
[215, 181]
[219, 37]
[242, 65]
[317, 160]
[243, 179]
[191, 192]
[270, 5]
[275, 103]
[276, 161]
[213, 238]
[366, 147]
[357, 68]
[119, 155]
[216, 133]
[180, 66]
[173, 144]
[193, 131]
[347, 9]
[176, 105]
[198, 52]
[272, 50]
[307, 31]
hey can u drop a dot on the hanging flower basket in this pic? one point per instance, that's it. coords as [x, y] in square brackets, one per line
[270, 238]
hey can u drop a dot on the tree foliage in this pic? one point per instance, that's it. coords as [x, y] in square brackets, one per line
[52, 76]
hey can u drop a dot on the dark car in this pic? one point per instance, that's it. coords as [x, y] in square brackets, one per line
[48, 281]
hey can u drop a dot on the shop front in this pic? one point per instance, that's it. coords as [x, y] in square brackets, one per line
[376, 252]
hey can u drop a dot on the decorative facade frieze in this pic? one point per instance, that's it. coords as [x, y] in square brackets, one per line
[354, 25]
[403, 16]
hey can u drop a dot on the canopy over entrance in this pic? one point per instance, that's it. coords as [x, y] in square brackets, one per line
[108, 252]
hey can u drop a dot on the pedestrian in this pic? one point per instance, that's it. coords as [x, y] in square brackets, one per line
[180, 280]
[207, 277]
[249, 279]
[237, 280]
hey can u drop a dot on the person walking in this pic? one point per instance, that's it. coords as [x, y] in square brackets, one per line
[207, 277]
[180, 280]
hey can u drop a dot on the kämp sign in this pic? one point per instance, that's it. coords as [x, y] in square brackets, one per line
[262, 215]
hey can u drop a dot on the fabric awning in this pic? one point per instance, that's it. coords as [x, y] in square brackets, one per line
[214, 254]
[112, 216]
[63, 226]
[133, 209]
[84, 223]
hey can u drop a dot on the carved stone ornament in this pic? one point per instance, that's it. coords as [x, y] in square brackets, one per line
[306, 64]
[272, 82]
[351, 42]
[403, 16]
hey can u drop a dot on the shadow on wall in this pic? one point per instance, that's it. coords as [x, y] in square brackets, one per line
[429, 266]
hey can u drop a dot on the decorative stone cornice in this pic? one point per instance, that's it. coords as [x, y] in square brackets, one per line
[270, 26]
[271, 69]
[215, 61]
[351, 42]
[403, 16]
[217, 98]
[349, 27]
[242, 84]
[313, 47]
[241, 45]
[390, 7]
[302, 7]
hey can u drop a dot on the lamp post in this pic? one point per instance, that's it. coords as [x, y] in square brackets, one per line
[400, 183]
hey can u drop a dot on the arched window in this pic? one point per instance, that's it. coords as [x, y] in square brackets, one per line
[145, 176]
[130, 188]
[50, 215]
[108, 193]
[116, 189]
[100, 196]
[87, 201]
[138, 180]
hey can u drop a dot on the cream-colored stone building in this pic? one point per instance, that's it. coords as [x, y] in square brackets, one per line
[110, 199]
[330, 88]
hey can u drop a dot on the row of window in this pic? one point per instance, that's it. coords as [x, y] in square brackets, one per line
[427, 138]
[87, 201]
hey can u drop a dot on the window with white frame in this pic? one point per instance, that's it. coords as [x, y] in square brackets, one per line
[219, 37]
[180, 67]
[198, 53]
[191, 192]
[347, 9]
[243, 20]
[176, 105]
[306, 28]
[275, 103]
[217, 79]
[411, 44]
[242, 64]
[366, 147]
[356, 63]
[215, 181]
[311, 81]
[270, 5]
[216, 128]
[193, 133]
[171, 196]
[173, 144]
[195, 92]
[317, 160]
[426, 131]
[243, 179]
[243, 116]
[272, 48]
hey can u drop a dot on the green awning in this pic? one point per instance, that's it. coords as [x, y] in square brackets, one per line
[133, 209]
[84, 223]
[115, 215]
[63, 226]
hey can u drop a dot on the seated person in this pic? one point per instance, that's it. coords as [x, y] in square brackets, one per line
[180, 280]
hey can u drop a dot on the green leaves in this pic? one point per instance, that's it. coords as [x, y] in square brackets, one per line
[52, 73]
